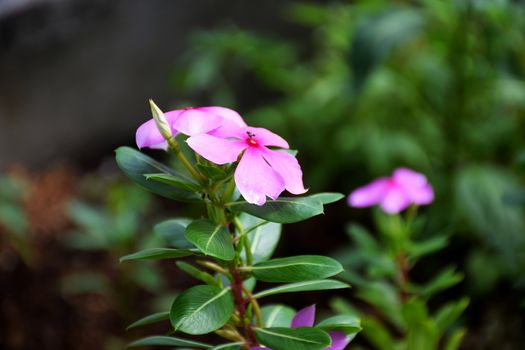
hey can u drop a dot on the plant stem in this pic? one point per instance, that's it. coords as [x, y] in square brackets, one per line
[174, 146]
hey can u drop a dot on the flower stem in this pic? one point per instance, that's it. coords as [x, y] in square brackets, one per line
[174, 146]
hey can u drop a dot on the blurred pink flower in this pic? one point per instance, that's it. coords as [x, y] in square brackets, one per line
[395, 193]
[189, 121]
[261, 171]
[306, 318]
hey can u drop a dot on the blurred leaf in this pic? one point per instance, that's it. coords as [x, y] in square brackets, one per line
[159, 340]
[173, 232]
[455, 339]
[449, 313]
[157, 254]
[447, 278]
[85, 282]
[153, 318]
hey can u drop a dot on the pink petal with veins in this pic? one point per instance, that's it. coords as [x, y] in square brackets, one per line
[215, 149]
[255, 179]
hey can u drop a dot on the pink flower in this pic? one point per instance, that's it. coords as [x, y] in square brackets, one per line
[306, 318]
[395, 193]
[261, 171]
[189, 121]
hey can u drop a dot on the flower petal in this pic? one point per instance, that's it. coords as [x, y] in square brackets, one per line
[226, 113]
[415, 184]
[255, 179]
[396, 200]
[339, 341]
[259, 348]
[370, 194]
[148, 135]
[216, 150]
[267, 138]
[304, 317]
[193, 121]
[288, 167]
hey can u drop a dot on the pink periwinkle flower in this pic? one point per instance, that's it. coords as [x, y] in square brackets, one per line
[306, 318]
[394, 194]
[261, 171]
[189, 121]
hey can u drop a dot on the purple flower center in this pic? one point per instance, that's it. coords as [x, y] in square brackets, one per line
[251, 141]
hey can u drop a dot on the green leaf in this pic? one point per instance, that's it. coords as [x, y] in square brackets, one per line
[212, 171]
[418, 249]
[263, 236]
[327, 197]
[455, 339]
[348, 324]
[277, 315]
[303, 338]
[168, 341]
[201, 309]
[198, 274]
[229, 346]
[175, 181]
[211, 239]
[283, 210]
[173, 231]
[135, 164]
[447, 278]
[153, 318]
[156, 254]
[296, 269]
[449, 313]
[303, 287]
[377, 334]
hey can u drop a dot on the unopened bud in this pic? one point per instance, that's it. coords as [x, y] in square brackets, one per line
[160, 120]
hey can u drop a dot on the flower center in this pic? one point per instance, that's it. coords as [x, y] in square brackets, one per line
[250, 140]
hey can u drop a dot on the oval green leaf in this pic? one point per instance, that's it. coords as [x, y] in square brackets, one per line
[136, 164]
[153, 318]
[175, 181]
[157, 254]
[211, 239]
[277, 315]
[303, 338]
[296, 269]
[303, 287]
[160, 340]
[201, 309]
[172, 231]
[263, 236]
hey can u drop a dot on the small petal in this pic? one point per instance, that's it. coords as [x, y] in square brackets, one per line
[415, 185]
[226, 113]
[194, 121]
[267, 138]
[259, 348]
[216, 150]
[409, 178]
[369, 195]
[395, 200]
[148, 135]
[423, 195]
[288, 167]
[304, 317]
[339, 341]
[255, 179]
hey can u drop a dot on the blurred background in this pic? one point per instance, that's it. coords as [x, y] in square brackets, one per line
[358, 87]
